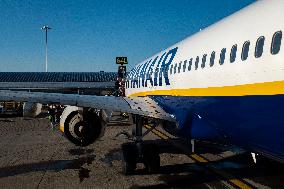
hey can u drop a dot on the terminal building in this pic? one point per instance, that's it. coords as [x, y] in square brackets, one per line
[93, 83]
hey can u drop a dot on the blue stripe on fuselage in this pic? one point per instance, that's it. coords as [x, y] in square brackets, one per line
[252, 122]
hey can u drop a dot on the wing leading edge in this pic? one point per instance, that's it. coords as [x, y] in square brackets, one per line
[143, 106]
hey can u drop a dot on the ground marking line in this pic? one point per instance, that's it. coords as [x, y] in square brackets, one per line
[201, 159]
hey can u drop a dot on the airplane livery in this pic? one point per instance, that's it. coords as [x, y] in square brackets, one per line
[223, 84]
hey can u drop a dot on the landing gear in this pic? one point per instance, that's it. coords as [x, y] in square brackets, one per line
[140, 152]
[132, 155]
[151, 158]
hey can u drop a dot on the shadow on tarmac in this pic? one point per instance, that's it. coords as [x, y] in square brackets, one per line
[54, 165]
[188, 175]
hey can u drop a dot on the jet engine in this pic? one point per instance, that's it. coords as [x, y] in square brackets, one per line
[82, 126]
[31, 109]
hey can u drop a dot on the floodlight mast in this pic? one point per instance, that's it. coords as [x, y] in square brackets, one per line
[46, 28]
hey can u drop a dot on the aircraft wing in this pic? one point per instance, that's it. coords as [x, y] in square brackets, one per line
[144, 106]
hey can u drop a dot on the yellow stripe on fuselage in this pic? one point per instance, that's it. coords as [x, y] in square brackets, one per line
[267, 88]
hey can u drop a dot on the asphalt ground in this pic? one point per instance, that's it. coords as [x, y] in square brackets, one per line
[33, 154]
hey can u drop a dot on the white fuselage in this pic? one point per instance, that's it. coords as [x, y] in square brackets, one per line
[253, 76]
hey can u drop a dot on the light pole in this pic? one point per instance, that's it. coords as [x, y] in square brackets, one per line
[45, 28]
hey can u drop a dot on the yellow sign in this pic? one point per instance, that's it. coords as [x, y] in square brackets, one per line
[121, 60]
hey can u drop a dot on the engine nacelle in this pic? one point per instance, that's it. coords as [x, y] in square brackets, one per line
[82, 126]
[31, 109]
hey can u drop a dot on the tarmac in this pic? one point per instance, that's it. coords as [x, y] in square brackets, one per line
[33, 154]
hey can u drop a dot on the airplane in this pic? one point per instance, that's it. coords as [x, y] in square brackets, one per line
[223, 84]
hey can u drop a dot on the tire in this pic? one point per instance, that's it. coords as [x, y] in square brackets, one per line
[151, 158]
[129, 161]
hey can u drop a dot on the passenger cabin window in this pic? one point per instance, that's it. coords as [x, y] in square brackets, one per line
[184, 65]
[189, 64]
[196, 62]
[203, 61]
[245, 50]
[276, 42]
[222, 56]
[259, 47]
[175, 69]
[212, 58]
[233, 53]
[179, 67]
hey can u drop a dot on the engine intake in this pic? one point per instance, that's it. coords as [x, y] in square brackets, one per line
[82, 126]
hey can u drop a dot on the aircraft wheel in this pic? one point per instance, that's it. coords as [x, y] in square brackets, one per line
[151, 158]
[129, 151]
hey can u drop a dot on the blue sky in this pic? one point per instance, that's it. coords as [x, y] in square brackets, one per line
[87, 35]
